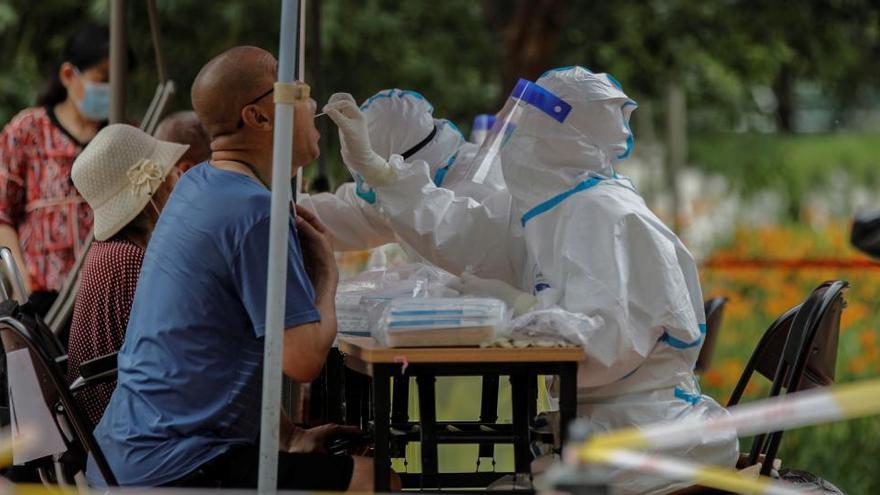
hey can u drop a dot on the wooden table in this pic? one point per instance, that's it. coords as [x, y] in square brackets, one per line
[368, 358]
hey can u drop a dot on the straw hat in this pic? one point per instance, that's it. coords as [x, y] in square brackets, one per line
[118, 173]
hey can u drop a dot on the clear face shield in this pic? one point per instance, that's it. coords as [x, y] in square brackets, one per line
[524, 94]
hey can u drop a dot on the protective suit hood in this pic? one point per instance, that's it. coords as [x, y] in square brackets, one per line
[401, 121]
[544, 156]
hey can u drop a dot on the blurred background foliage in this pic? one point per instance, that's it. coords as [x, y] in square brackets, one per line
[746, 65]
[782, 96]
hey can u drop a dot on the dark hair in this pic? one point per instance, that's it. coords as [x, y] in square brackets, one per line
[139, 227]
[85, 49]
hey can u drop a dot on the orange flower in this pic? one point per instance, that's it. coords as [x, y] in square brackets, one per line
[713, 378]
[855, 312]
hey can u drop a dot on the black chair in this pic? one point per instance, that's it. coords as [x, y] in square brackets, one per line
[714, 315]
[797, 352]
[69, 422]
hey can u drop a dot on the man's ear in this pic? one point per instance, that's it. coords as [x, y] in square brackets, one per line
[255, 117]
[264, 119]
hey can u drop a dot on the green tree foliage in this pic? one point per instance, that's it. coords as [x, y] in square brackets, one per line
[462, 54]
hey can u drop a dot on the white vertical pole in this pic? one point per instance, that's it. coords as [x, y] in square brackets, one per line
[278, 233]
[301, 74]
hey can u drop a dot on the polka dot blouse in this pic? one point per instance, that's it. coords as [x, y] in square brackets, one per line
[100, 314]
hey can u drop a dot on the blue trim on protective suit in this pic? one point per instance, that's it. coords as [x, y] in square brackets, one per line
[680, 344]
[454, 128]
[691, 399]
[559, 198]
[441, 173]
[363, 191]
[614, 81]
[399, 92]
[630, 139]
[567, 67]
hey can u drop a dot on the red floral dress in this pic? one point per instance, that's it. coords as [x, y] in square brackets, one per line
[38, 199]
[100, 314]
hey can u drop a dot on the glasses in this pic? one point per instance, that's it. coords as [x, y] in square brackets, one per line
[240, 119]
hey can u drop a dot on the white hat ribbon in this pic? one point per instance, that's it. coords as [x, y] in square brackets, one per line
[144, 177]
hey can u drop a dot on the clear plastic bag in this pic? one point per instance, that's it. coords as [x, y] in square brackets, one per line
[440, 322]
[360, 299]
[550, 327]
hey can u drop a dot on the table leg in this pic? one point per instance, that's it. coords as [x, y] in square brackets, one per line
[334, 388]
[567, 398]
[428, 425]
[352, 384]
[400, 410]
[520, 411]
[532, 398]
[366, 414]
[381, 427]
[489, 410]
[400, 400]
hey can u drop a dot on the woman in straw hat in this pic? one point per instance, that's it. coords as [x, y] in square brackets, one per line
[126, 176]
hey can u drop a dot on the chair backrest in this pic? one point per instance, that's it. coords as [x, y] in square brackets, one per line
[59, 315]
[14, 289]
[714, 315]
[810, 356]
[36, 374]
[801, 349]
[767, 354]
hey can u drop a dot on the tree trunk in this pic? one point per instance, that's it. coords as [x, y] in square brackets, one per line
[530, 37]
[676, 145]
[784, 89]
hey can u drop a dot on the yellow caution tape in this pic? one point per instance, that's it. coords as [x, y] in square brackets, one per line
[708, 476]
[790, 411]
[858, 399]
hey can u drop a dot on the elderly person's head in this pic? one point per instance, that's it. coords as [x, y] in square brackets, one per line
[185, 128]
[232, 96]
[126, 176]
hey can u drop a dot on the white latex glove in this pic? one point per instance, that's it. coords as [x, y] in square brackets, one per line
[357, 153]
[521, 302]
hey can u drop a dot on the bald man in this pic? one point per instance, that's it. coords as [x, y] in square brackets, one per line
[186, 128]
[186, 410]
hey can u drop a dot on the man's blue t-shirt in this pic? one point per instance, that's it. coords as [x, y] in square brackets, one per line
[190, 370]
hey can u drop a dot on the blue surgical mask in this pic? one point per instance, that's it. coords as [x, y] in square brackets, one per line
[95, 104]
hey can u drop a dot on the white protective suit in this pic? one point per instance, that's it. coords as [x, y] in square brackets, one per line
[398, 121]
[582, 241]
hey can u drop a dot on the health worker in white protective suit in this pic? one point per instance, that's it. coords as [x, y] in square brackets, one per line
[580, 241]
[400, 122]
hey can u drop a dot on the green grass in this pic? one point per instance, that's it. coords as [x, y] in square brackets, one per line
[793, 165]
